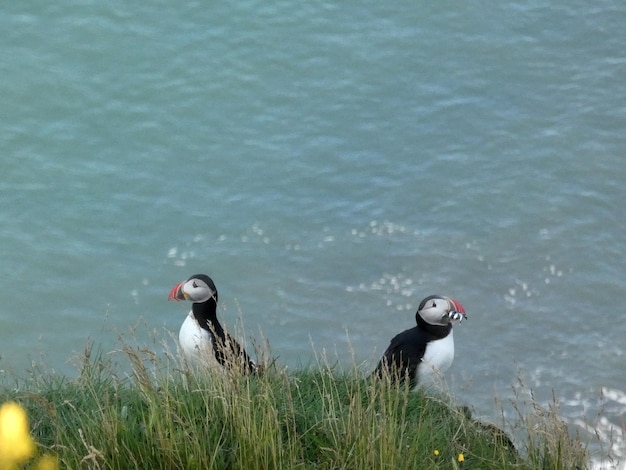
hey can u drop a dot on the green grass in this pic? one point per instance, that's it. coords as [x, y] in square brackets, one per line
[163, 415]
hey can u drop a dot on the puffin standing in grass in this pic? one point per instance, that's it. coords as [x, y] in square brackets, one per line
[201, 335]
[426, 351]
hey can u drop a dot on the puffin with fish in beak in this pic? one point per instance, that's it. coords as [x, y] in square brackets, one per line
[424, 352]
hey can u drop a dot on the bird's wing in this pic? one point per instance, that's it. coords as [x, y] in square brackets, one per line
[403, 355]
[229, 353]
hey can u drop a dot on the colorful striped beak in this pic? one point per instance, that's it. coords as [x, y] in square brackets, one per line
[177, 292]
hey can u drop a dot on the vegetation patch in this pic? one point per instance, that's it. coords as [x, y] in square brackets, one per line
[165, 414]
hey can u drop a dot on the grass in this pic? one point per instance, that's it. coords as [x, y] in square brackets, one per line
[165, 415]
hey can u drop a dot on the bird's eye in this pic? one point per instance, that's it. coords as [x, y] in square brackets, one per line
[434, 304]
[195, 284]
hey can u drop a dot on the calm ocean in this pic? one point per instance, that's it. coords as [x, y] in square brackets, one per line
[329, 165]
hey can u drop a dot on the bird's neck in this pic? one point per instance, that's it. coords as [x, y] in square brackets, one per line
[205, 314]
[436, 331]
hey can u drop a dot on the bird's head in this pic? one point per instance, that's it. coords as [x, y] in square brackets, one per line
[440, 310]
[198, 288]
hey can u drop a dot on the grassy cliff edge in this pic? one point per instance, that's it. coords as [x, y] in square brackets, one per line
[164, 415]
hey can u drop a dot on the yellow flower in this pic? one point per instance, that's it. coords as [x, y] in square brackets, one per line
[47, 462]
[461, 458]
[16, 445]
[436, 452]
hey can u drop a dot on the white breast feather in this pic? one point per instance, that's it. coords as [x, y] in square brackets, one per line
[195, 342]
[437, 359]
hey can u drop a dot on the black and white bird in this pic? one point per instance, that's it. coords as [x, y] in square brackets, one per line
[423, 353]
[201, 335]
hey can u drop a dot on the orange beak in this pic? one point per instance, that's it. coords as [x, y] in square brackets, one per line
[177, 292]
[458, 307]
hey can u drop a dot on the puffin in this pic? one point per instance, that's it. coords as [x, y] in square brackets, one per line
[201, 335]
[423, 353]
